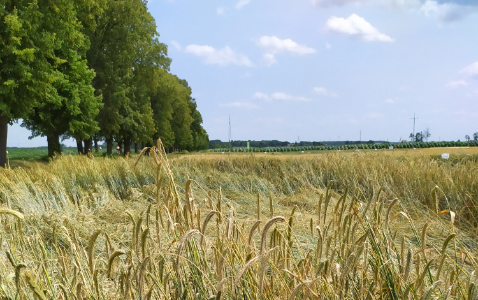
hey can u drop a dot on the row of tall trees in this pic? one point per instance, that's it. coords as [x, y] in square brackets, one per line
[91, 70]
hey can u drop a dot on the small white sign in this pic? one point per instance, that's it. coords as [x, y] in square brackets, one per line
[445, 155]
[302, 151]
[390, 148]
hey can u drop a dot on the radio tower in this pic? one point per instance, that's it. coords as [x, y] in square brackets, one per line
[229, 135]
[413, 125]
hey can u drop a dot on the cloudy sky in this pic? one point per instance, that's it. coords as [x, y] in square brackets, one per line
[326, 69]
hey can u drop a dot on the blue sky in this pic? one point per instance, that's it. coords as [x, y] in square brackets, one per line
[324, 69]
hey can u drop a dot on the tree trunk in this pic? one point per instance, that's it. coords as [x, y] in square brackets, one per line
[109, 146]
[88, 145]
[3, 140]
[79, 145]
[120, 147]
[54, 146]
[135, 147]
[127, 147]
[95, 139]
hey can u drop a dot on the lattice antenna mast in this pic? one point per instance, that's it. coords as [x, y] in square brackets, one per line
[414, 118]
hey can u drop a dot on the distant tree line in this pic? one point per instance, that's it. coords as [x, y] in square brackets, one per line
[364, 146]
[216, 144]
[91, 70]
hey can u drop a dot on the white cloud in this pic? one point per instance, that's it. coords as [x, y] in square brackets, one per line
[471, 70]
[455, 84]
[176, 45]
[443, 10]
[324, 92]
[356, 26]
[448, 11]
[259, 95]
[274, 45]
[244, 105]
[390, 101]
[403, 4]
[220, 10]
[277, 45]
[242, 3]
[223, 57]
[329, 3]
[269, 59]
[279, 96]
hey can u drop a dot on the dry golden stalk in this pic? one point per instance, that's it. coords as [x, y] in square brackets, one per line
[319, 210]
[65, 294]
[244, 269]
[90, 250]
[141, 272]
[79, 291]
[307, 283]
[328, 196]
[184, 241]
[251, 232]
[387, 218]
[219, 200]
[7, 211]
[258, 207]
[18, 269]
[37, 291]
[230, 224]
[271, 207]
[204, 224]
[190, 200]
[428, 292]
[209, 200]
[408, 265]
[144, 237]
[111, 260]
[220, 266]
[278, 219]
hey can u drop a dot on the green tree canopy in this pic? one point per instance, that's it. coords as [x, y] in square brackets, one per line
[26, 58]
[72, 108]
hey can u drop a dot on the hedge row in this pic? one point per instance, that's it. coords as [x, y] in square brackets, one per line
[402, 145]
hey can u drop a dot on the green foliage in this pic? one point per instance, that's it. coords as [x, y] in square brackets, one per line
[25, 72]
[85, 68]
[72, 109]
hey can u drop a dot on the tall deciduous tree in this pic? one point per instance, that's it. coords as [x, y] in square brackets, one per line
[182, 119]
[72, 109]
[138, 125]
[199, 134]
[164, 90]
[123, 33]
[26, 55]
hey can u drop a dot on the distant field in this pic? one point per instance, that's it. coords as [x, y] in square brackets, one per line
[24, 156]
[453, 151]
[39, 153]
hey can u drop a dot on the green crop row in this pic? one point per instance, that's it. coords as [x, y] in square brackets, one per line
[402, 145]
